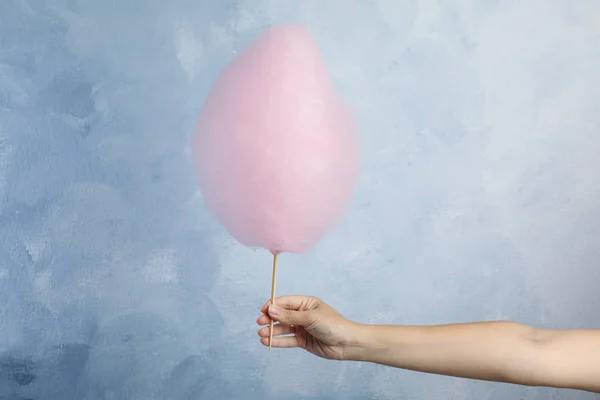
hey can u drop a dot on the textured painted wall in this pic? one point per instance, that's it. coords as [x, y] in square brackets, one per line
[479, 197]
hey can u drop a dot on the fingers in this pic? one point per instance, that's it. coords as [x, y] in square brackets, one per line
[292, 303]
[281, 342]
[278, 330]
[263, 320]
[290, 317]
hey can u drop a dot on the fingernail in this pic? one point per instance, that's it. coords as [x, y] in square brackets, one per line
[273, 310]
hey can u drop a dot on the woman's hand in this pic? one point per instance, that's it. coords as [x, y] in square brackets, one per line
[501, 351]
[312, 324]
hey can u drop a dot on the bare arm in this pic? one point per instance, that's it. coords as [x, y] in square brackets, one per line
[493, 351]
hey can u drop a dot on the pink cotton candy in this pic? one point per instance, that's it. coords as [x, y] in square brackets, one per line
[275, 148]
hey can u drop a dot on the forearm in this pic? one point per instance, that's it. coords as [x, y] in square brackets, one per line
[493, 351]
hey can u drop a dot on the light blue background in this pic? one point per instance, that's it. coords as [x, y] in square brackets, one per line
[479, 198]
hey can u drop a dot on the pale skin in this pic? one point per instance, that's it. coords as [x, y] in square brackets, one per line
[499, 351]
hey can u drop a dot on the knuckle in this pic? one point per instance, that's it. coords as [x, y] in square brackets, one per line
[313, 302]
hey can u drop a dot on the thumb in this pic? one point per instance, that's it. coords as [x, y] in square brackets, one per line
[290, 317]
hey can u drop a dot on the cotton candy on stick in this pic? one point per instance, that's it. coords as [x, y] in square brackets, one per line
[276, 148]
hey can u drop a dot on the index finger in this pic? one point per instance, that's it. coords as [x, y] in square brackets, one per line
[294, 302]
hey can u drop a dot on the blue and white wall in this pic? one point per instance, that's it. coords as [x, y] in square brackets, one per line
[479, 198]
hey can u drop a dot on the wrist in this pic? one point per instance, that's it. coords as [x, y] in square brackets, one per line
[361, 343]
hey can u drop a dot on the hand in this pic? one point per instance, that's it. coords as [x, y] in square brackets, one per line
[315, 326]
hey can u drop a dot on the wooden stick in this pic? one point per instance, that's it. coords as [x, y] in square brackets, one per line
[273, 284]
